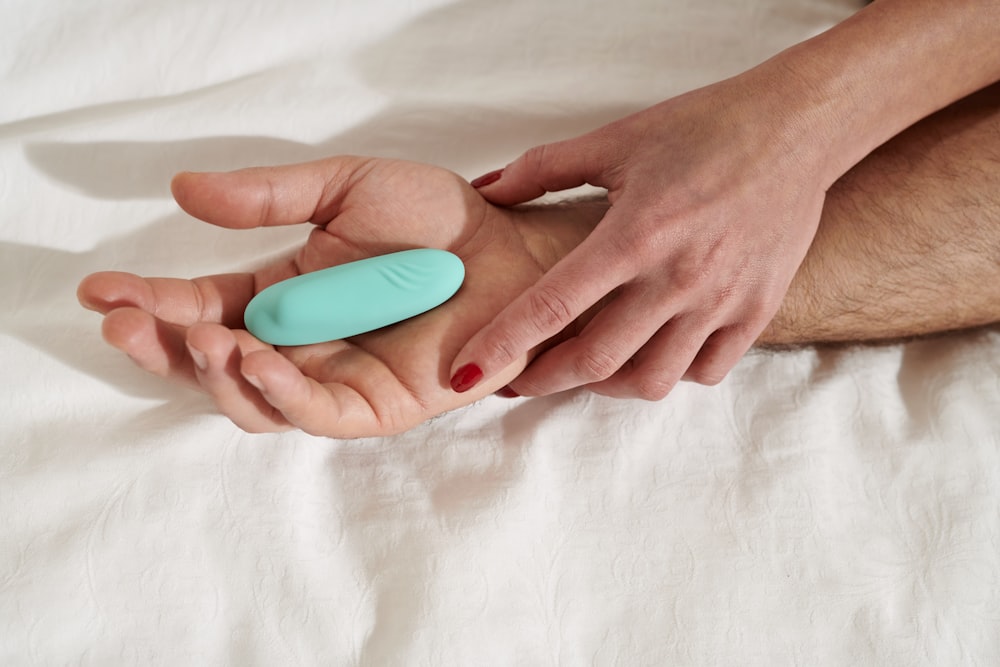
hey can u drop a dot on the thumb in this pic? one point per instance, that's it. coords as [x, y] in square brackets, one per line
[545, 168]
[266, 196]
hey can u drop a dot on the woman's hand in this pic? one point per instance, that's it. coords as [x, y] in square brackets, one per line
[714, 203]
[716, 196]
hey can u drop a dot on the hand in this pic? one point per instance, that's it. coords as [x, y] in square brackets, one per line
[379, 383]
[715, 200]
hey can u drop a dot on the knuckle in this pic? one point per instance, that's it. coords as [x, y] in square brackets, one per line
[691, 275]
[654, 387]
[266, 209]
[526, 385]
[550, 310]
[499, 350]
[710, 376]
[535, 158]
[597, 362]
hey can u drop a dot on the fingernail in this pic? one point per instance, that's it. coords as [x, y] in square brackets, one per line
[486, 179]
[255, 381]
[507, 392]
[467, 377]
[198, 357]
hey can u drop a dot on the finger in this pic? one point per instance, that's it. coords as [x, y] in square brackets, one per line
[108, 290]
[604, 346]
[221, 298]
[268, 196]
[539, 313]
[217, 356]
[154, 345]
[720, 353]
[331, 409]
[546, 168]
[658, 366]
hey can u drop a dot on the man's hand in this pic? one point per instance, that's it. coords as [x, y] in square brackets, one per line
[377, 383]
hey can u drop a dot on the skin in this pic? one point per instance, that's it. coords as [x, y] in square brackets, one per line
[379, 383]
[716, 196]
[909, 242]
[908, 245]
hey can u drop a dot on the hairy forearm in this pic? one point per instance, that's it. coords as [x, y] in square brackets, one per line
[855, 86]
[909, 242]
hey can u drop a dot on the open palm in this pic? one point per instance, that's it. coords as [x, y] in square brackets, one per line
[378, 383]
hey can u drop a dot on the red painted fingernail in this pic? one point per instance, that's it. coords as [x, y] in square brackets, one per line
[486, 179]
[507, 392]
[466, 377]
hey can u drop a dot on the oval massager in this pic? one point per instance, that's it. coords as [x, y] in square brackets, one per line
[354, 298]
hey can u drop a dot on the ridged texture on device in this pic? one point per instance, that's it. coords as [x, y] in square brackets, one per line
[354, 298]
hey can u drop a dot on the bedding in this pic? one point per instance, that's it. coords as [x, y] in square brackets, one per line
[820, 506]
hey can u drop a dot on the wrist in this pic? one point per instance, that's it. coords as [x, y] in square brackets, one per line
[860, 83]
[805, 116]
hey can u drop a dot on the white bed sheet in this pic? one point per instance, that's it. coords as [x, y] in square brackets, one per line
[818, 507]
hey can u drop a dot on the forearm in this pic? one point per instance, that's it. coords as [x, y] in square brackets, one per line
[893, 63]
[909, 242]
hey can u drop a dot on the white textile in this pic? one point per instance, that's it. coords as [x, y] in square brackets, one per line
[818, 507]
